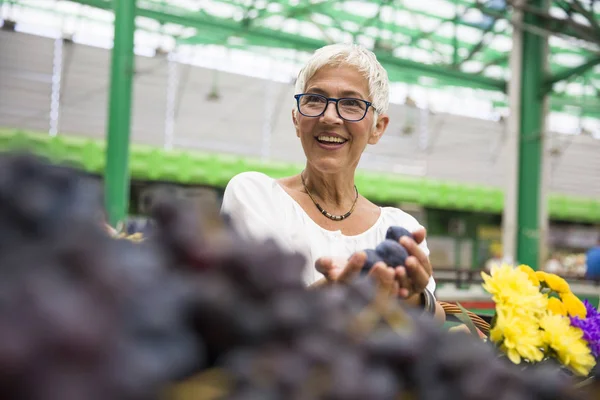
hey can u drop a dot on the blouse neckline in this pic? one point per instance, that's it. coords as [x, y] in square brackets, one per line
[337, 232]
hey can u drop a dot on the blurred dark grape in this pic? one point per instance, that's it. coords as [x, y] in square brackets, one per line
[82, 316]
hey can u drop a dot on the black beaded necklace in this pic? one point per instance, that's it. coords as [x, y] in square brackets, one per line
[325, 213]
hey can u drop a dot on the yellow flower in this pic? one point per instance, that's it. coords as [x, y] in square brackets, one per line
[134, 237]
[530, 273]
[567, 341]
[512, 287]
[557, 283]
[573, 306]
[555, 306]
[541, 275]
[519, 336]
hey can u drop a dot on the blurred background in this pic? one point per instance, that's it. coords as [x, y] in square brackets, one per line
[493, 144]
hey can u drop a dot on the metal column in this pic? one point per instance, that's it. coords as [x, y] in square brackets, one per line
[119, 113]
[57, 71]
[524, 211]
[172, 89]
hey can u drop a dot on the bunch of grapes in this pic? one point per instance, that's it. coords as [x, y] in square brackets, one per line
[279, 340]
[87, 316]
[82, 316]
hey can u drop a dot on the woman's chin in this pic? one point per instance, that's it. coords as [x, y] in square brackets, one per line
[329, 164]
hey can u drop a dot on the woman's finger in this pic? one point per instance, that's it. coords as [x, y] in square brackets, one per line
[384, 278]
[353, 267]
[418, 275]
[404, 284]
[419, 235]
[415, 251]
[324, 265]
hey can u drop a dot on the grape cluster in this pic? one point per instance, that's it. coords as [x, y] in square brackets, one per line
[82, 316]
[362, 357]
[278, 340]
[87, 316]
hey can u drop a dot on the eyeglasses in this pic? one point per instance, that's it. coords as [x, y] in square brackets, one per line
[349, 109]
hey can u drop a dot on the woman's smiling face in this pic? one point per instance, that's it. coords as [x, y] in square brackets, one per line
[350, 138]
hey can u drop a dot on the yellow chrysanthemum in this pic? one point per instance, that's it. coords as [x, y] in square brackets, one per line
[567, 341]
[556, 307]
[530, 273]
[573, 305]
[556, 283]
[541, 275]
[519, 336]
[511, 286]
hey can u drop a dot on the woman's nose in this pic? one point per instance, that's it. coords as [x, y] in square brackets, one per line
[331, 115]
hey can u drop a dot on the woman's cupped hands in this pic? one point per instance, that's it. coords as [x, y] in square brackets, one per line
[404, 280]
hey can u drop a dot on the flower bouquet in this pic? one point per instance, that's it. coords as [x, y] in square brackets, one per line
[539, 319]
[134, 237]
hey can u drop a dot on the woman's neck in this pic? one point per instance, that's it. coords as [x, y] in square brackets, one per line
[335, 190]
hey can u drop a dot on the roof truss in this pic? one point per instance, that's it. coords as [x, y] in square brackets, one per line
[463, 43]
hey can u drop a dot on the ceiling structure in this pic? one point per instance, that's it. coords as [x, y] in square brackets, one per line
[433, 45]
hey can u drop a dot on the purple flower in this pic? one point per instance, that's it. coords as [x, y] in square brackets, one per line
[591, 310]
[590, 326]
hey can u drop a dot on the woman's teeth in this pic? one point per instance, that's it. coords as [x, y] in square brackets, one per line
[330, 139]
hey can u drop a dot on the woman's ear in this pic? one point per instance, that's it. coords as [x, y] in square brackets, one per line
[295, 122]
[382, 122]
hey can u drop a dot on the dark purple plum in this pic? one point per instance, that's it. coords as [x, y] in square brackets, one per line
[372, 259]
[392, 252]
[396, 232]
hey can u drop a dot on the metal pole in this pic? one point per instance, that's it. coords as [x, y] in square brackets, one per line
[57, 65]
[531, 143]
[119, 113]
[509, 215]
[172, 87]
[270, 105]
[529, 123]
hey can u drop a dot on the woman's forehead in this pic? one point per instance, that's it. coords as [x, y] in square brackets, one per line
[344, 80]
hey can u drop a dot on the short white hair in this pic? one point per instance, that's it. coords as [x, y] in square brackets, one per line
[354, 55]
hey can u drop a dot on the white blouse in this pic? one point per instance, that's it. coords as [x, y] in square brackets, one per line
[260, 208]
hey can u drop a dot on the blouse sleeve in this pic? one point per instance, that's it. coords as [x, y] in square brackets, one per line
[247, 201]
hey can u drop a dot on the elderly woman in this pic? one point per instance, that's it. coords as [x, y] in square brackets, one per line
[342, 96]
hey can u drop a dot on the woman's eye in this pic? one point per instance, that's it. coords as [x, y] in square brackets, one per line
[314, 99]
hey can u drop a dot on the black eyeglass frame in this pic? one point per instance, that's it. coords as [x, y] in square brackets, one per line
[336, 101]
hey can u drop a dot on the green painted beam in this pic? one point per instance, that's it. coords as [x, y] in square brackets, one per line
[199, 168]
[217, 34]
[303, 12]
[570, 72]
[287, 40]
[533, 58]
[546, 21]
[261, 36]
[119, 113]
[586, 106]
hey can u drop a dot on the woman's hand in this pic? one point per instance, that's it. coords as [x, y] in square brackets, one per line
[413, 277]
[342, 270]
[408, 282]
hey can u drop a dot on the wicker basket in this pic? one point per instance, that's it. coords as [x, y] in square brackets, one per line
[452, 309]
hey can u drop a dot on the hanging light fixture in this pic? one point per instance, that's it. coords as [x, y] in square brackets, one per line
[410, 116]
[214, 94]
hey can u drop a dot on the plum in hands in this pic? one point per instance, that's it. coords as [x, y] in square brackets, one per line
[392, 252]
[396, 232]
